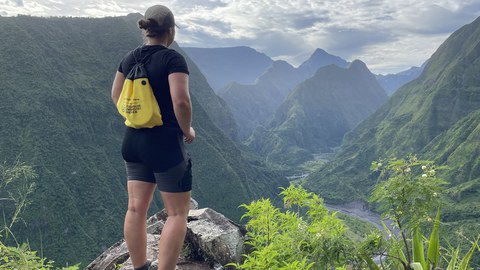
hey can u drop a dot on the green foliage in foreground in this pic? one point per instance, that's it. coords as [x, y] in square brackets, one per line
[17, 182]
[304, 236]
[307, 236]
[409, 193]
[23, 258]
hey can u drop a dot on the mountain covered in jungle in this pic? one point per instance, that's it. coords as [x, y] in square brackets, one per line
[437, 117]
[58, 117]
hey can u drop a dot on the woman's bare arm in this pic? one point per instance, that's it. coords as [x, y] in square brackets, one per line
[117, 86]
[182, 104]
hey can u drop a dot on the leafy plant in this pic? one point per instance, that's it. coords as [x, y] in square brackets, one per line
[304, 236]
[456, 262]
[409, 193]
[16, 183]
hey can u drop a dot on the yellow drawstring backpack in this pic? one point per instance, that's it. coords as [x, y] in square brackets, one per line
[137, 103]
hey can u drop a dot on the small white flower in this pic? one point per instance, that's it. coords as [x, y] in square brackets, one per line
[424, 175]
[424, 167]
[379, 164]
[435, 194]
[407, 169]
[432, 171]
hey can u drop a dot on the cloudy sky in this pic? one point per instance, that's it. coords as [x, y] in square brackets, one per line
[388, 35]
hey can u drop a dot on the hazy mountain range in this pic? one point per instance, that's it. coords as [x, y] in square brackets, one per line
[391, 82]
[232, 64]
[317, 114]
[254, 103]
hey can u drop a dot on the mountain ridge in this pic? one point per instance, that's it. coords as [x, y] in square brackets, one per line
[435, 116]
[221, 66]
[317, 114]
[391, 82]
[254, 104]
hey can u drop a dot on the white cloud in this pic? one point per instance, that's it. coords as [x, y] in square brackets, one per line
[389, 35]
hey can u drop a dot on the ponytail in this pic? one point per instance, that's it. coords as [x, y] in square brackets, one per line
[151, 28]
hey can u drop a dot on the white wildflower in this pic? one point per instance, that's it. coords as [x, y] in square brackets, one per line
[407, 169]
[424, 167]
[424, 175]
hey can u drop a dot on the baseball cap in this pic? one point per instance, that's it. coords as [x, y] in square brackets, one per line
[161, 14]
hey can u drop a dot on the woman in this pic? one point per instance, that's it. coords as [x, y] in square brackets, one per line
[156, 157]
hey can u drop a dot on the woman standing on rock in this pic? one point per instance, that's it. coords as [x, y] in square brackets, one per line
[156, 157]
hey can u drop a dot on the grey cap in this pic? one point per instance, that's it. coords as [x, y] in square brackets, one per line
[161, 14]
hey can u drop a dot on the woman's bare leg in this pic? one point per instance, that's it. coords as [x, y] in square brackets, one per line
[174, 230]
[135, 228]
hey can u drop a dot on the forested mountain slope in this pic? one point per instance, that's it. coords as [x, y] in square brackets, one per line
[317, 114]
[57, 116]
[435, 116]
[254, 105]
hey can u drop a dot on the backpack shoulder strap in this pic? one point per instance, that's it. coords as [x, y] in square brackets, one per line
[142, 59]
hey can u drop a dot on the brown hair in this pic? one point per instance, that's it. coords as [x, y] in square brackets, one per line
[152, 29]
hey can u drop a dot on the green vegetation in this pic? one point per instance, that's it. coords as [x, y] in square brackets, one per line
[357, 229]
[317, 114]
[408, 190]
[436, 116]
[408, 194]
[58, 115]
[307, 236]
[17, 182]
[311, 165]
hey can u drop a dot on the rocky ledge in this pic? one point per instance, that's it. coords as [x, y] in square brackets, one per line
[211, 242]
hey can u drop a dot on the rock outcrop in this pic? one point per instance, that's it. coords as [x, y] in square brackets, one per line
[211, 242]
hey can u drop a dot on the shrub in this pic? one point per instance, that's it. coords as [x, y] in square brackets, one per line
[304, 236]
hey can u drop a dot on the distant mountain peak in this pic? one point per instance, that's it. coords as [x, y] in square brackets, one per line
[319, 52]
[134, 14]
[281, 64]
[321, 58]
[358, 65]
[391, 82]
[329, 68]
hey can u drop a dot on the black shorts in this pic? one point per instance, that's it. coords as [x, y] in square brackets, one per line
[157, 155]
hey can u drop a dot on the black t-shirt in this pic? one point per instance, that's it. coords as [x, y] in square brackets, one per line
[162, 63]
